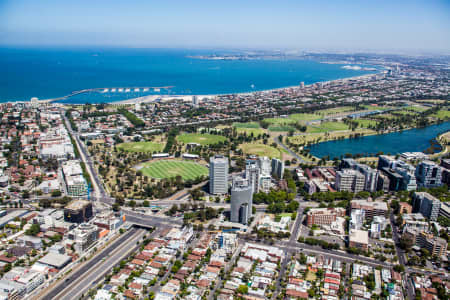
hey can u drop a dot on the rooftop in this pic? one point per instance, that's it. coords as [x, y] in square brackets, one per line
[77, 204]
[55, 260]
[359, 236]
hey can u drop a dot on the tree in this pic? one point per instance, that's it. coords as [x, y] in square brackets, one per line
[443, 221]
[56, 193]
[33, 230]
[242, 289]
[406, 243]
[399, 268]
[7, 268]
[173, 210]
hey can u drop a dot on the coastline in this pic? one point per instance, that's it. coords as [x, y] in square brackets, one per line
[151, 98]
[188, 97]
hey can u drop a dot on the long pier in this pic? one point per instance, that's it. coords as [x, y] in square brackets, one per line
[121, 90]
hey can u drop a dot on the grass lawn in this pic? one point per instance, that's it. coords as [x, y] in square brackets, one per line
[364, 123]
[285, 214]
[280, 121]
[310, 276]
[442, 114]
[278, 217]
[249, 131]
[404, 112]
[418, 108]
[171, 168]
[434, 101]
[336, 110]
[260, 150]
[281, 128]
[370, 107]
[313, 137]
[327, 127]
[202, 139]
[141, 147]
[246, 125]
[384, 116]
[304, 117]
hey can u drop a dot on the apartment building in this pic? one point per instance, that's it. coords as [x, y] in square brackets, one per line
[349, 180]
[426, 204]
[429, 174]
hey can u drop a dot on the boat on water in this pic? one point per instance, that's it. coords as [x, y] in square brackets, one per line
[157, 90]
[145, 90]
[136, 90]
[105, 90]
[127, 90]
[120, 90]
[113, 90]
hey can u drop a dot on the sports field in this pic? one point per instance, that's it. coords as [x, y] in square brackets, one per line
[170, 168]
[281, 128]
[249, 128]
[246, 125]
[141, 147]
[304, 117]
[292, 119]
[327, 127]
[280, 121]
[249, 131]
[260, 150]
[335, 110]
[202, 139]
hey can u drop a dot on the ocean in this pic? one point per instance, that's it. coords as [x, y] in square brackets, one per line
[56, 72]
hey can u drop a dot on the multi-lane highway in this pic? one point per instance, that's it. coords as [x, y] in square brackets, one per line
[81, 280]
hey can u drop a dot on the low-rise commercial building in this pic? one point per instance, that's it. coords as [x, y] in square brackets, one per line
[29, 279]
[359, 239]
[55, 260]
[324, 216]
[371, 208]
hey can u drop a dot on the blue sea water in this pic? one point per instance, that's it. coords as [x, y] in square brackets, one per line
[55, 72]
[413, 140]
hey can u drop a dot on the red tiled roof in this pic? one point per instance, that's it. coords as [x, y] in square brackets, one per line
[7, 259]
[297, 294]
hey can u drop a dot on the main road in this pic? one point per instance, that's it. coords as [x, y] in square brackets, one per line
[82, 278]
[99, 191]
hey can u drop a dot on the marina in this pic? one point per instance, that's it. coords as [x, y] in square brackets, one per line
[131, 90]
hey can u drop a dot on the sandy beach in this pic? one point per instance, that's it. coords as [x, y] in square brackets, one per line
[188, 98]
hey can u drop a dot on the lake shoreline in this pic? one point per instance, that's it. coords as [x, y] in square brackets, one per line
[373, 154]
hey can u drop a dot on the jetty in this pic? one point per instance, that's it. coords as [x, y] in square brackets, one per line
[123, 90]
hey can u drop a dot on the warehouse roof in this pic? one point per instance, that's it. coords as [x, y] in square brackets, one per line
[55, 260]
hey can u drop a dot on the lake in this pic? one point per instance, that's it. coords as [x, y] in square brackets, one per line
[413, 140]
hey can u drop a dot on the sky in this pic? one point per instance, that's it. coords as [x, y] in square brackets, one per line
[379, 25]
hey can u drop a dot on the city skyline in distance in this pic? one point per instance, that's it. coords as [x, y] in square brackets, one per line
[381, 26]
